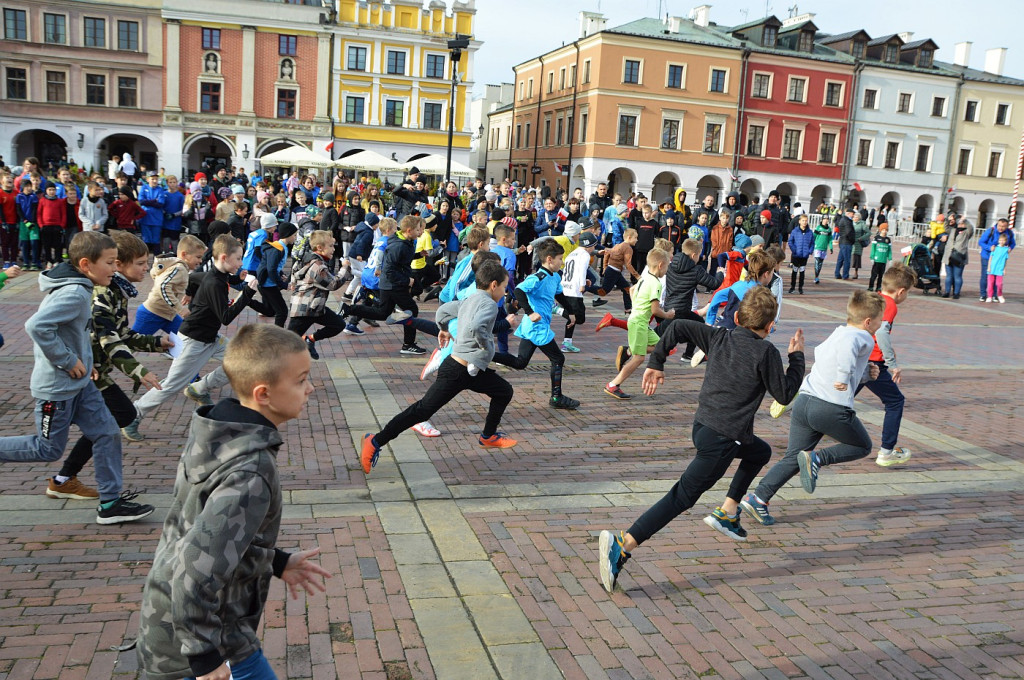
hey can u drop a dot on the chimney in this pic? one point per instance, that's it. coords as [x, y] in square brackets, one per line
[994, 60]
[962, 55]
[905, 36]
[591, 23]
[674, 24]
[702, 15]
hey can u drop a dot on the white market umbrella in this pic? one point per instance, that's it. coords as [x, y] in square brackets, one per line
[369, 161]
[433, 164]
[299, 156]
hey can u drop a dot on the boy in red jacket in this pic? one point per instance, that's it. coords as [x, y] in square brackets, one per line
[125, 211]
[8, 221]
[52, 215]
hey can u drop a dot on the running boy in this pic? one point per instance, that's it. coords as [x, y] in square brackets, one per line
[466, 368]
[574, 283]
[824, 406]
[206, 591]
[62, 376]
[617, 259]
[163, 309]
[314, 283]
[743, 366]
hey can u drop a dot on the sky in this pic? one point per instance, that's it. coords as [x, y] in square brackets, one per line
[515, 32]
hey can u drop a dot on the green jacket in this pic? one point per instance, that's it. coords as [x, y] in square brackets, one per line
[112, 339]
[881, 249]
[861, 236]
[823, 238]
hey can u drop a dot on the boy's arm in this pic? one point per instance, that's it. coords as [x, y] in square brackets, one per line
[677, 332]
[629, 262]
[709, 281]
[446, 312]
[172, 288]
[784, 385]
[218, 303]
[117, 348]
[42, 327]
[884, 340]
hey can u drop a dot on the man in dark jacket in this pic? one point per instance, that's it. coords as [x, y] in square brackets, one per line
[707, 208]
[846, 238]
[600, 199]
[409, 194]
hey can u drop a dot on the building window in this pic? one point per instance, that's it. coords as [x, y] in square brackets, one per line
[791, 144]
[56, 87]
[806, 43]
[572, 75]
[627, 130]
[286, 103]
[833, 94]
[827, 153]
[519, 135]
[995, 159]
[551, 82]
[796, 89]
[890, 54]
[762, 87]
[529, 89]
[209, 97]
[770, 36]
[15, 24]
[1002, 114]
[939, 107]
[870, 99]
[584, 117]
[211, 38]
[755, 140]
[55, 30]
[892, 152]
[547, 132]
[394, 112]
[432, 116]
[670, 135]
[287, 46]
[963, 163]
[631, 73]
[561, 78]
[95, 90]
[586, 71]
[17, 83]
[396, 63]
[713, 138]
[95, 32]
[857, 49]
[435, 66]
[923, 152]
[864, 153]
[717, 80]
[904, 102]
[528, 125]
[568, 129]
[925, 58]
[128, 35]
[356, 59]
[675, 77]
[559, 131]
[127, 92]
[354, 109]
[521, 86]
[971, 111]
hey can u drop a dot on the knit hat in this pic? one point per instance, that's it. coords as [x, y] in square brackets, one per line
[194, 187]
[509, 221]
[199, 176]
[497, 214]
[372, 219]
[223, 193]
[414, 171]
[696, 233]
[218, 227]
[572, 229]
[773, 192]
[268, 221]
[766, 213]
[327, 197]
[756, 240]
[312, 211]
[621, 208]
[237, 189]
[126, 191]
[260, 195]
[587, 239]
[742, 241]
[285, 229]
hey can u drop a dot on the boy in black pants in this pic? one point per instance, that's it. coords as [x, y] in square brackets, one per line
[466, 368]
[681, 281]
[742, 366]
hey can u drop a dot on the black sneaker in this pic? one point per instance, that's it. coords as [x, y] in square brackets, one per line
[412, 349]
[564, 402]
[123, 510]
[311, 346]
[598, 302]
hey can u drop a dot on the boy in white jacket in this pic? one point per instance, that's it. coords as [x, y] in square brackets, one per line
[93, 209]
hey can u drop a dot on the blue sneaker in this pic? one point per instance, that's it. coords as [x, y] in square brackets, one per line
[725, 525]
[567, 346]
[808, 462]
[757, 509]
[352, 329]
[611, 558]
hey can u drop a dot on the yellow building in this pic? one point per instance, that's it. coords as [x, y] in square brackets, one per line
[393, 77]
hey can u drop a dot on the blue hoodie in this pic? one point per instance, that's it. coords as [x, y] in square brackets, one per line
[362, 243]
[60, 334]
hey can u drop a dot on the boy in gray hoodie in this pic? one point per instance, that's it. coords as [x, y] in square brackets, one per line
[62, 376]
[466, 368]
[205, 594]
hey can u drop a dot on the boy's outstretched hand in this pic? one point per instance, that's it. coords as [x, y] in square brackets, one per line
[796, 343]
[299, 573]
[652, 378]
[443, 338]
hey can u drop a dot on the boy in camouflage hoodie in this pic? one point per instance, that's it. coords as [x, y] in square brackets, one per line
[205, 594]
[112, 345]
[314, 283]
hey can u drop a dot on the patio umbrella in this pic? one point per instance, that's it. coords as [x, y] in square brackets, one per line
[299, 156]
[370, 161]
[433, 164]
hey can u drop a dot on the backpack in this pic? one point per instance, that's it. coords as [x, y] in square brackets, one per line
[751, 221]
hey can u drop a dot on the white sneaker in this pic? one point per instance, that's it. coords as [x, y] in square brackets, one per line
[398, 316]
[1001, 299]
[433, 363]
[990, 300]
[698, 356]
[897, 456]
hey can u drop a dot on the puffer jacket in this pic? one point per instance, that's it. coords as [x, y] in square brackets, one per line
[348, 217]
[801, 242]
[682, 279]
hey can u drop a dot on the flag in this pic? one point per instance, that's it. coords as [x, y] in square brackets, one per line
[562, 212]
[856, 185]
[330, 146]
[562, 169]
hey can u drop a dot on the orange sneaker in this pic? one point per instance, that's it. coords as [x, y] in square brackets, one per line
[604, 322]
[498, 440]
[72, 489]
[369, 454]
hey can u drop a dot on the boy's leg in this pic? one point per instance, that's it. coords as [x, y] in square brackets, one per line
[193, 357]
[892, 398]
[216, 378]
[300, 324]
[554, 353]
[95, 421]
[802, 437]
[253, 667]
[452, 378]
[53, 420]
[330, 325]
[499, 390]
[520, 361]
[123, 411]
[753, 457]
[272, 297]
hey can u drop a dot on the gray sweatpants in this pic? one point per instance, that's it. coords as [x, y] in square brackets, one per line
[812, 419]
[193, 357]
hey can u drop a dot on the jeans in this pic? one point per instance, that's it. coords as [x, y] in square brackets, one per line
[452, 378]
[983, 286]
[254, 667]
[30, 253]
[812, 419]
[843, 261]
[715, 453]
[194, 355]
[123, 411]
[53, 424]
[892, 399]
[954, 278]
[148, 323]
[526, 349]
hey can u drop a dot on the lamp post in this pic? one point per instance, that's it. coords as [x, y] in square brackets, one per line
[456, 46]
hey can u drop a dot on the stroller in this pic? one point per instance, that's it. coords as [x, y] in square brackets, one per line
[920, 260]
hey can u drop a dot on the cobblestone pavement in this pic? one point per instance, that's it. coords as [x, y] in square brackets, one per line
[455, 562]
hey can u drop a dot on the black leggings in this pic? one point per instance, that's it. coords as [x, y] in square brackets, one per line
[52, 240]
[715, 453]
[389, 300]
[877, 272]
[526, 349]
[612, 279]
[123, 410]
[330, 325]
[452, 378]
[574, 307]
[274, 301]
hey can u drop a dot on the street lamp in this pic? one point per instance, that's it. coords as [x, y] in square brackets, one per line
[456, 46]
[245, 152]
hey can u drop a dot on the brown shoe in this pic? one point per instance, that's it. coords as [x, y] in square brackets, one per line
[72, 489]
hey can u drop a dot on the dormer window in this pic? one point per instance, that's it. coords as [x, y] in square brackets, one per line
[771, 34]
[925, 58]
[891, 51]
[806, 43]
[857, 49]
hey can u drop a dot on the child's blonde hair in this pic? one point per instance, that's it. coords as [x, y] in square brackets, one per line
[629, 233]
[898, 276]
[245, 360]
[692, 246]
[863, 305]
[656, 257]
[664, 244]
[320, 239]
[192, 245]
[387, 225]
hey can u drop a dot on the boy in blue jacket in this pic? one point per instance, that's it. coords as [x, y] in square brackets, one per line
[359, 253]
[270, 274]
[801, 247]
[152, 198]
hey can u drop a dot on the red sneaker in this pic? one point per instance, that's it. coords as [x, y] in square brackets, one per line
[370, 453]
[604, 322]
[616, 391]
[498, 440]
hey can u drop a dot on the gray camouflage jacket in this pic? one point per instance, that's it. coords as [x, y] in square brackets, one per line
[205, 593]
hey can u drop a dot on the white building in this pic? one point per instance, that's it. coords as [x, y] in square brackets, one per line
[495, 96]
